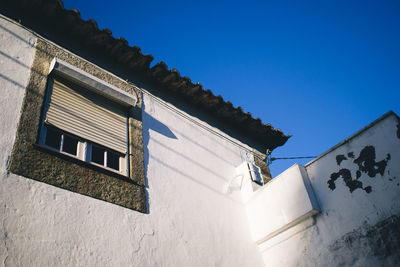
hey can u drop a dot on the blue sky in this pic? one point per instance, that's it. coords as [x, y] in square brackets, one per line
[318, 70]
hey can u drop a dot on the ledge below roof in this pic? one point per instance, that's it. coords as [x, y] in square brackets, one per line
[36, 13]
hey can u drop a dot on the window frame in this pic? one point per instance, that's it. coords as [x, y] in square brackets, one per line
[42, 142]
[59, 68]
[84, 151]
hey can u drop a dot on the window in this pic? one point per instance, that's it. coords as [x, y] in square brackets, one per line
[62, 143]
[85, 120]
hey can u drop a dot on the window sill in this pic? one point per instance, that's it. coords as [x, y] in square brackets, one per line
[75, 160]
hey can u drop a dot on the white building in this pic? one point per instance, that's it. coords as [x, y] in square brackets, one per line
[107, 162]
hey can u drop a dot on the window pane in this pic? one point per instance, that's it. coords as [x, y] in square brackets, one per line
[112, 160]
[70, 145]
[53, 138]
[98, 155]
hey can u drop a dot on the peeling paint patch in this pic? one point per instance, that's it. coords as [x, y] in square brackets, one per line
[350, 183]
[340, 158]
[398, 128]
[366, 163]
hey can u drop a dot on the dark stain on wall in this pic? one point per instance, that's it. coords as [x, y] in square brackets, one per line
[381, 240]
[366, 163]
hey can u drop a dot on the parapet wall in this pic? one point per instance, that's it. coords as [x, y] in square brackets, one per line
[357, 187]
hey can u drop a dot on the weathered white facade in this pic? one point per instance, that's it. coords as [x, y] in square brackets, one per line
[199, 215]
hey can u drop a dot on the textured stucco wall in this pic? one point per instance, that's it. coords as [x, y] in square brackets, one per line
[357, 186]
[191, 222]
[16, 56]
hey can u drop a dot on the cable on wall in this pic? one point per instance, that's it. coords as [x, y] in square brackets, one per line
[271, 159]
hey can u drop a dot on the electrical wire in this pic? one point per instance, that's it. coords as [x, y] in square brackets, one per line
[310, 157]
[271, 159]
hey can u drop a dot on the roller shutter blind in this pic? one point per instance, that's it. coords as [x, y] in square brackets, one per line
[88, 115]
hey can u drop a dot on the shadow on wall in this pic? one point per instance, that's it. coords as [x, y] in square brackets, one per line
[156, 126]
[150, 123]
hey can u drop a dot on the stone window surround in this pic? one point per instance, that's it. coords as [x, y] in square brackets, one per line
[35, 162]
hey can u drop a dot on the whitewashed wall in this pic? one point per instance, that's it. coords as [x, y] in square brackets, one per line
[354, 228]
[191, 221]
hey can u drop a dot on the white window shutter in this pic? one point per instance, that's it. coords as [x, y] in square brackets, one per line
[88, 115]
